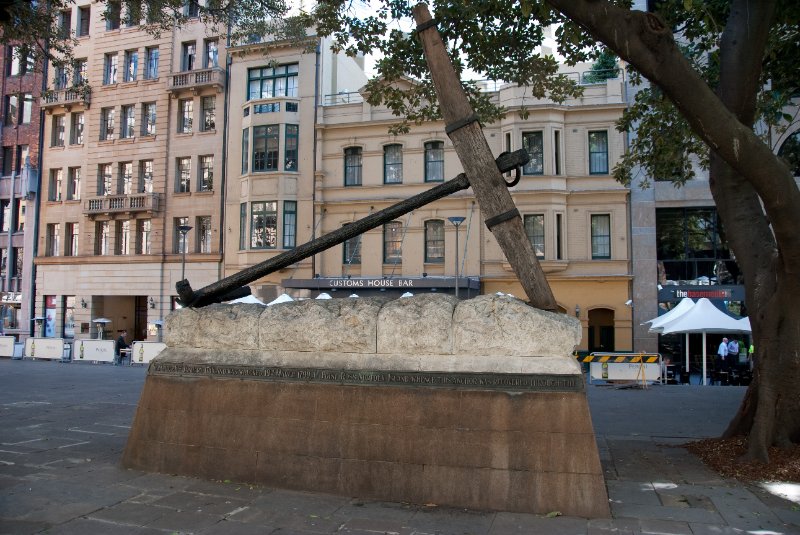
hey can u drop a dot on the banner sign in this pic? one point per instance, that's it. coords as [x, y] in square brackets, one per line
[725, 293]
[93, 351]
[44, 348]
[144, 352]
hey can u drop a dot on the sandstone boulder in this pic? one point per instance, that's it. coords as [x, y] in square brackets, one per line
[419, 324]
[214, 327]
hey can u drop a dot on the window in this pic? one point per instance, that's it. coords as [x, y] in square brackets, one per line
[533, 143]
[131, 65]
[11, 109]
[265, 148]
[434, 241]
[352, 166]
[53, 238]
[268, 82]
[601, 236]
[79, 74]
[143, 236]
[106, 124]
[113, 14]
[204, 234]
[74, 184]
[149, 119]
[21, 61]
[290, 145]
[289, 224]
[65, 23]
[23, 152]
[5, 205]
[189, 51]
[73, 237]
[191, 8]
[128, 122]
[351, 251]
[123, 233]
[245, 149]
[559, 237]
[125, 182]
[59, 77]
[8, 161]
[180, 239]
[598, 153]
[434, 161]
[76, 129]
[110, 69]
[102, 240]
[393, 164]
[83, 20]
[243, 226]
[57, 138]
[185, 116]
[206, 178]
[557, 151]
[134, 13]
[263, 225]
[789, 151]
[211, 54]
[184, 175]
[54, 189]
[146, 176]
[104, 179]
[151, 68]
[534, 228]
[27, 108]
[20, 209]
[393, 243]
[209, 113]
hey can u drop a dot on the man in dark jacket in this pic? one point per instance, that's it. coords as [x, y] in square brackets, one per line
[119, 346]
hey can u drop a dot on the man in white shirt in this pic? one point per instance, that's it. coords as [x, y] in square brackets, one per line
[722, 354]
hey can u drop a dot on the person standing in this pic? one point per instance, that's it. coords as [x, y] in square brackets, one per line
[733, 352]
[722, 354]
[119, 346]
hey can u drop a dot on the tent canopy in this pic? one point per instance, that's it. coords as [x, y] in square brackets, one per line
[283, 298]
[704, 317]
[248, 299]
[323, 295]
[681, 308]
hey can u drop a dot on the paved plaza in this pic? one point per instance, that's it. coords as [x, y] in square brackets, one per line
[63, 428]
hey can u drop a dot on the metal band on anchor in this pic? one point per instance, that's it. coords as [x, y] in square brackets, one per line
[425, 25]
[496, 220]
[461, 123]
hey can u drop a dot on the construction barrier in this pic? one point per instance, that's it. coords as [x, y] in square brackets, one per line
[628, 367]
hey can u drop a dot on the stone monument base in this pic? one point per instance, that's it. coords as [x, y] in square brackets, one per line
[491, 432]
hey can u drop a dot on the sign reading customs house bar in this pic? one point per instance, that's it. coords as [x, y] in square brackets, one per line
[376, 283]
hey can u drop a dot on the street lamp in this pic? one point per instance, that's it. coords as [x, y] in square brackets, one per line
[456, 221]
[183, 229]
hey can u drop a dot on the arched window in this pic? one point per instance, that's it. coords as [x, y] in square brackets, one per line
[434, 161]
[434, 241]
[352, 166]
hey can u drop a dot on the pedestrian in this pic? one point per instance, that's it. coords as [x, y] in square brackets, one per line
[722, 354]
[733, 351]
[751, 353]
[119, 346]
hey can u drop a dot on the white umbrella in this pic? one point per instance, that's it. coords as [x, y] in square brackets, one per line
[681, 308]
[407, 294]
[323, 295]
[248, 300]
[704, 318]
[283, 298]
[353, 295]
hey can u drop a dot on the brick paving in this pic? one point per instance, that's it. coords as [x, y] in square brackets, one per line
[63, 428]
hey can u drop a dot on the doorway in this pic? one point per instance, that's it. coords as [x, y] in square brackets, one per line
[601, 330]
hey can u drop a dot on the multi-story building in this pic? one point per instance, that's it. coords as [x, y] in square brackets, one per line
[132, 173]
[575, 213]
[21, 88]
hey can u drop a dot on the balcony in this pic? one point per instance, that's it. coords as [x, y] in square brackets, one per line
[118, 204]
[196, 80]
[66, 98]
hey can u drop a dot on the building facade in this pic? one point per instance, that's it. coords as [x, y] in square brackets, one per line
[21, 87]
[132, 154]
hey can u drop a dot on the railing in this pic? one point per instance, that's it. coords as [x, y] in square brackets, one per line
[491, 86]
[138, 202]
[65, 97]
[211, 77]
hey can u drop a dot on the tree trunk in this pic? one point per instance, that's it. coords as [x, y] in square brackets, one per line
[756, 195]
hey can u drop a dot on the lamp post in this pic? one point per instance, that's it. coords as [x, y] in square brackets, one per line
[184, 230]
[456, 221]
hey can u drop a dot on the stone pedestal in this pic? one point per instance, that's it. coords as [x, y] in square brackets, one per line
[410, 405]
